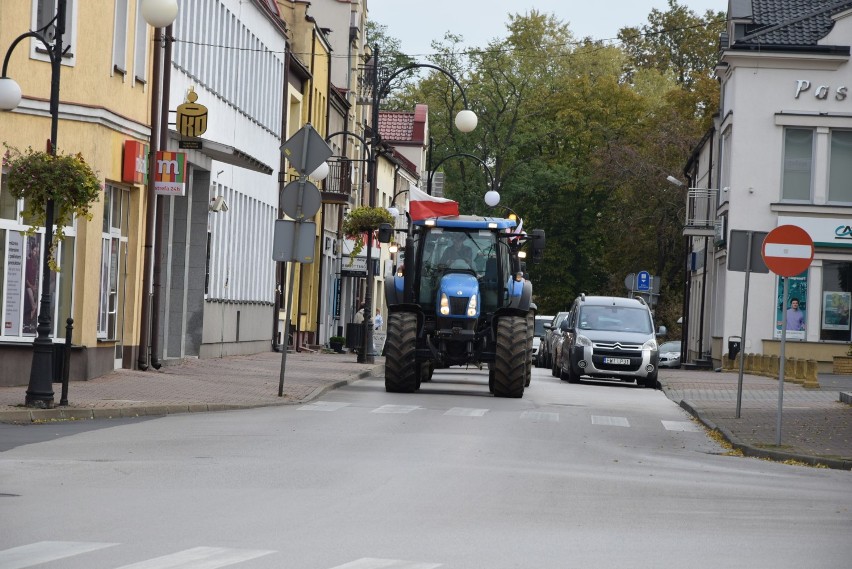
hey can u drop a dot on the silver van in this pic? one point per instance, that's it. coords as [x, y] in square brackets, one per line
[610, 337]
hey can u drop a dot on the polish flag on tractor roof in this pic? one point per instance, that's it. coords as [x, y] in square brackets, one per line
[424, 206]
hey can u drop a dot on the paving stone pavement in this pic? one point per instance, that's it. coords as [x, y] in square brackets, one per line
[816, 426]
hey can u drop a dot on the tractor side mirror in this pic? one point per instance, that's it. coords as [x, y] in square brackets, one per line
[537, 237]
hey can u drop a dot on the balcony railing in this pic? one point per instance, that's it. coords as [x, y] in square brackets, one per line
[339, 187]
[701, 212]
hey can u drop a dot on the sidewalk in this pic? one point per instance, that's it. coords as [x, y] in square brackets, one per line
[816, 426]
[235, 382]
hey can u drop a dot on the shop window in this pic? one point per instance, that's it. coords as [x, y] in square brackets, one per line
[840, 167]
[835, 300]
[113, 263]
[798, 164]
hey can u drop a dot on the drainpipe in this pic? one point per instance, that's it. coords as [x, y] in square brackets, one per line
[687, 291]
[706, 246]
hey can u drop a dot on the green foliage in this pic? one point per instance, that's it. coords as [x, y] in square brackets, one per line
[580, 136]
[363, 220]
[337, 340]
[39, 176]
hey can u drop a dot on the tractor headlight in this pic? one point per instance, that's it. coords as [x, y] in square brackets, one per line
[445, 304]
[471, 306]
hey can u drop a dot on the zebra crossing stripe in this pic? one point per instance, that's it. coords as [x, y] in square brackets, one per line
[395, 409]
[540, 416]
[373, 563]
[199, 558]
[44, 552]
[466, 412]
[611, 421]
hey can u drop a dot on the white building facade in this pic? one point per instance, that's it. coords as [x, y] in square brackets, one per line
[780, 153]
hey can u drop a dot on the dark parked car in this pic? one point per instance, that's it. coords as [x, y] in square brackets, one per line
[538, 337]
[552, 332]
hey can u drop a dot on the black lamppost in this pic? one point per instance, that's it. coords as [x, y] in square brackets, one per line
[465, 121]
[40, 389]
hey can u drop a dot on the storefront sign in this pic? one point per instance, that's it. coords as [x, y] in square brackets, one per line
[796, 311]
[821, 92]
[354, 267]
[135, 166]
[825, 231]
[170, 174]
[191, 116]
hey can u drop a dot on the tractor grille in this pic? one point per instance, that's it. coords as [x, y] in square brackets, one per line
[458, 304]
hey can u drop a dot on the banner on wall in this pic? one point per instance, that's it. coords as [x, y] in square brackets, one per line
[835, 310]
[796, 310]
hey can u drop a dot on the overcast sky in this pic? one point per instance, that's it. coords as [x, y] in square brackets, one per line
[416, 24]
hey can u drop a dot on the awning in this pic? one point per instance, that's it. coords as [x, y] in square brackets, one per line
[227, 154]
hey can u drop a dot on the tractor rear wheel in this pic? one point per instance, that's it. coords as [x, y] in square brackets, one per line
[510, 364]
[402, 374]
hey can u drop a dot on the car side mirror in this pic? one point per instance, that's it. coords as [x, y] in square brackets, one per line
[662, 331]
[547, 326]
[564, 326]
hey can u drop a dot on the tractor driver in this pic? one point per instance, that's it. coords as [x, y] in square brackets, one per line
[457, 255]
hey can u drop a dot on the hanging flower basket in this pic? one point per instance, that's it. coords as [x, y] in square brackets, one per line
[362, 220]
[40, 176]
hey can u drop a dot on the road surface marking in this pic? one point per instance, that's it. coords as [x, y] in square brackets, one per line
[681, 426]
[373, 563]
[395, 409]
[466, 412]
[200, 558]
[323, 406]
[44, 552]
[540, 416]
[611, 421]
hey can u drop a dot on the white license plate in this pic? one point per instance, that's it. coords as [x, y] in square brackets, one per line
[617, 361]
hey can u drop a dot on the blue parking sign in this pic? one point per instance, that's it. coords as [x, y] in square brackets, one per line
[643, 281]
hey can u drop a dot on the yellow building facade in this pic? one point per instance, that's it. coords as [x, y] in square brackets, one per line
[104, 102]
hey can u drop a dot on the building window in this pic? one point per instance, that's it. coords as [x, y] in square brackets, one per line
[798, 164]
[43, 12]
[113, 263]
[119, 38]
[140, 45]
[835, 301]
[840, 167]
[21, 263]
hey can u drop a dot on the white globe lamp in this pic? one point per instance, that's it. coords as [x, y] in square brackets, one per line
[10, 93]
[393, 211]
[466, 120]
[159, 13]
[321, 173]
[492, 198]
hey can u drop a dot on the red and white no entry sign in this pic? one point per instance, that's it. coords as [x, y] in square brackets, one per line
[788, 250]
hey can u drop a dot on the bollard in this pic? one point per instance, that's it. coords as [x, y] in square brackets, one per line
[790, 370]
[765, 365]
[66, 365]
[736, 364]
[774, 367]
[811, 380]
[799, 376]
[726, 362]
[749, 363]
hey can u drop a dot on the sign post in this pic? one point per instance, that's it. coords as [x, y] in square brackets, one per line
[787, 251]
[305, 150]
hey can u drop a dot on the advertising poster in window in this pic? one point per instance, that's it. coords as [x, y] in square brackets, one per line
[31, 284]
[14, 278]
[835, 310]
[796, 311]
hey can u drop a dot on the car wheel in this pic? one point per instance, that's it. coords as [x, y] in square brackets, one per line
[651, 381]
[554, 369]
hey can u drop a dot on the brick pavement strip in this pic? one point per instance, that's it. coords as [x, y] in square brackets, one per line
[192, 386]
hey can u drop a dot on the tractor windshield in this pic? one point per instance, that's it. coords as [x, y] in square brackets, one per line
[458, 250]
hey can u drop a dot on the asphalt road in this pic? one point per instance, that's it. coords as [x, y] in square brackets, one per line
[591, 475]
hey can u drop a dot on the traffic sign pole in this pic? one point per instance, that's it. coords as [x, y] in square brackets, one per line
[788, 250]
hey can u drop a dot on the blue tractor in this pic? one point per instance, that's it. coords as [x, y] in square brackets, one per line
[461, 298]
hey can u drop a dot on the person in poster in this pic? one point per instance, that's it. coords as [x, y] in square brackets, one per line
[795, 317]
[835, 310]
[31, 285]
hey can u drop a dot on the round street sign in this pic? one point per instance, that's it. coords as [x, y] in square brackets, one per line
[788, 250]
[311, 199]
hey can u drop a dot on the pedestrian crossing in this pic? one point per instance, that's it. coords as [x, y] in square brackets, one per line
[526, 416]
[202, 557]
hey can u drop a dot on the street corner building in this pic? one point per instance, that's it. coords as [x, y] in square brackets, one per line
[779, 153]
